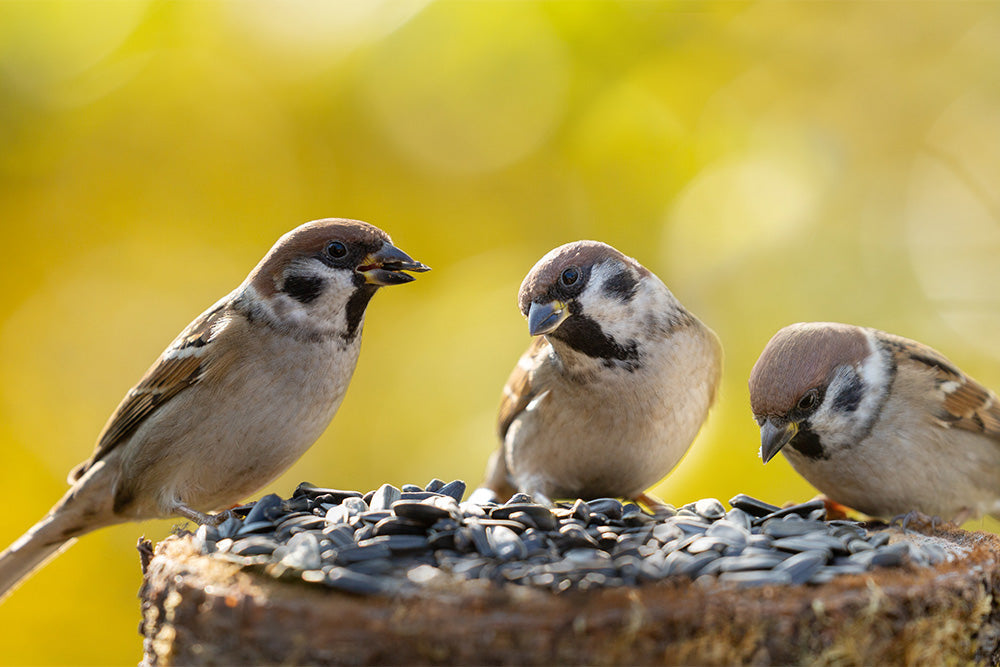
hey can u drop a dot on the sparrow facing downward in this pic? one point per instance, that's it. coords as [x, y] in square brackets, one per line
[236, 398]
[877, 422]
[613, 390]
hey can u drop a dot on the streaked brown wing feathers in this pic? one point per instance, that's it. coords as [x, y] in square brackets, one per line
[518, 391]
[181, 365]
[967, 404]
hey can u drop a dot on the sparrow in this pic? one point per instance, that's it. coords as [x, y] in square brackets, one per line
[613, 389]
[236, 398]
[877, 422]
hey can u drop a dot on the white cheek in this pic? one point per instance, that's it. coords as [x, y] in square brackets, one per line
[620, 319]
[326, 315]
[839, 427]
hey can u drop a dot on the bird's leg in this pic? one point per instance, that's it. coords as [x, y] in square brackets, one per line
[200, 518]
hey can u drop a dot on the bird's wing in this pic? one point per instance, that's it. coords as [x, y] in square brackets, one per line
[181, 365]
[520, 389]
[518, 393]
[967, 404]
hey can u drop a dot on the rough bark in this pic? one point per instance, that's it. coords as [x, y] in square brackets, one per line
[199, 610]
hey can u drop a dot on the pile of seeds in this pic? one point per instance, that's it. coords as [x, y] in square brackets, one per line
[391, 540]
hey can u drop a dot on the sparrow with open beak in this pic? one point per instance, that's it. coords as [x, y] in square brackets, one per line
[614, 388]
[236, 398]
[877, 422]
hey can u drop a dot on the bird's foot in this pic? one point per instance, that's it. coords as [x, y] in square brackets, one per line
[200, 518]
[918, 521]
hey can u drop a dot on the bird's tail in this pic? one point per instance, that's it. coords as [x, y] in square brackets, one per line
[80, 511]
[30, 552]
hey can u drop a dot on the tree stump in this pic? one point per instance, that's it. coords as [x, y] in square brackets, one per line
[202, 610]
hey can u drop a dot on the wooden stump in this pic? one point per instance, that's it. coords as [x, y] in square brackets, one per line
[201, 610]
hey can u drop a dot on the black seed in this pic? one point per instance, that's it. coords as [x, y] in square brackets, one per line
[581, 511]
[254, 545]
[384, 497]
[778, 528]
[710, 508]
[255, 527]
[797, 544]
[303, 552]
[421, 512]
[803, 510]
[341, 535]
[541, 516]
[335, 496]
[480, 539]
[266, 509]
[609, 507]
[506, 544]
[455, 489]
[345, 580]
[354, 554]
[374, 516]
[401, 543]
[395, 525]
[229, 528]
[752, 506]
[801, 567]
[418, 495]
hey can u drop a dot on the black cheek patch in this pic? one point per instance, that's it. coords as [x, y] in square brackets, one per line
[304, 289]
[356, 306]
[807, 443]
[849, 397]
[622, 286]
[585, 335]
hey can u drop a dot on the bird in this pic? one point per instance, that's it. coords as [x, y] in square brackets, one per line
[613, 389]
[237, 397]
[878, 423]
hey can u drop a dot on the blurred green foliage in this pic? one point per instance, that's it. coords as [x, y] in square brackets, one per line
[772, 162]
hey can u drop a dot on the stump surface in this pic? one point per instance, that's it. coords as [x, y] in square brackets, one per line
[203, 610]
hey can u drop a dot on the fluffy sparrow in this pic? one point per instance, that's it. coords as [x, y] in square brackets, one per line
[236, 398]
[877, 422]
[613, 389]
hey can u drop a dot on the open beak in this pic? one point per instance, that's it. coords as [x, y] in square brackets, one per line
[775, 434]
[545, 318]
[386, 266]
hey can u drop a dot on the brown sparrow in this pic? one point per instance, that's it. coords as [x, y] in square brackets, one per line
[236, 398]
[877, 422]
[613, 390]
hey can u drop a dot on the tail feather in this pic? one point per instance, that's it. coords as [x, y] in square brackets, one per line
[30, 552]
[85, 507]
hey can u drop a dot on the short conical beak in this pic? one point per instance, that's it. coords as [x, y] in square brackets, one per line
[545, 318]
[386, 266]
[775, 434]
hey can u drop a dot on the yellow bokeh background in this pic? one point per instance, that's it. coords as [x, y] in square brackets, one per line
[772, 162]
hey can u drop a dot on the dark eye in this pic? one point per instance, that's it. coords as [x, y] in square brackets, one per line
[569, 276]
[809, 401]
[336, 250]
